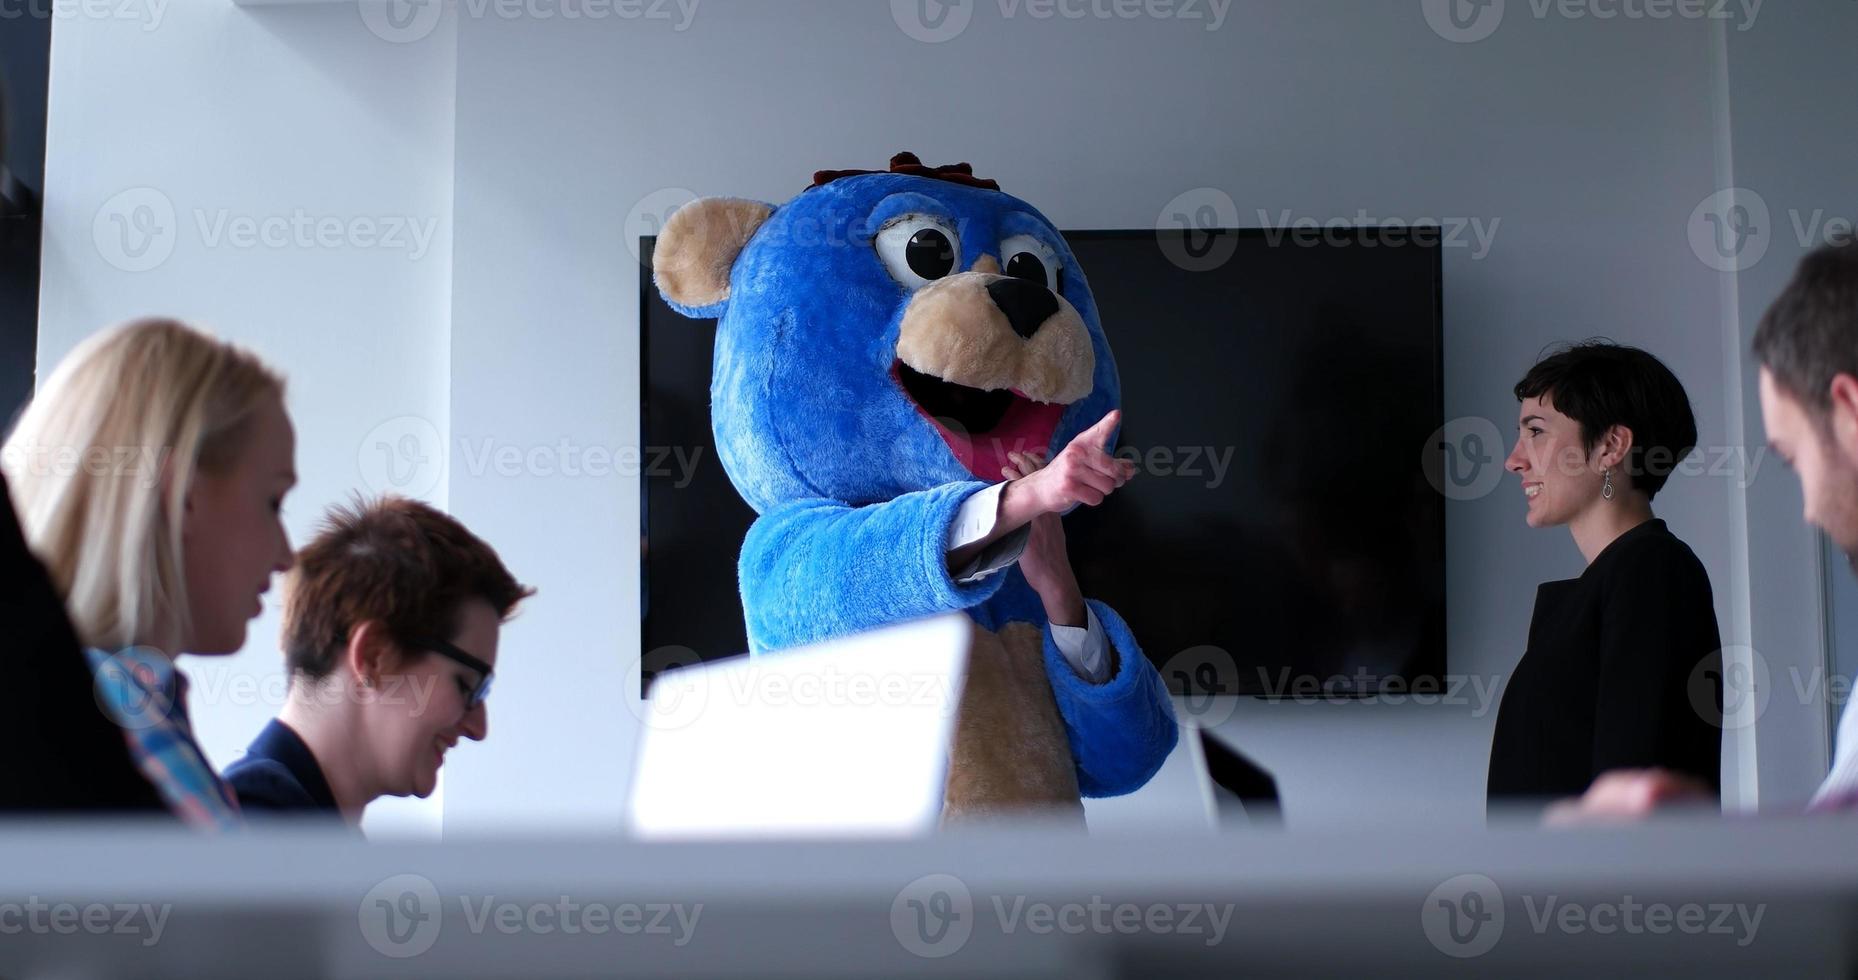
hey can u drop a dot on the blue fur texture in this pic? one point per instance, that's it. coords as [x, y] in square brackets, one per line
[854, 488]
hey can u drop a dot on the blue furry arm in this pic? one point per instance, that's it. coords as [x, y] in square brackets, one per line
[815, 569]
[1122, 729]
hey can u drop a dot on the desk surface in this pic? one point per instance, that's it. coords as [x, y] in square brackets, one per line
[1746, 897]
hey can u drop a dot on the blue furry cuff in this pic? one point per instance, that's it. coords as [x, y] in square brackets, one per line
[1122, 730]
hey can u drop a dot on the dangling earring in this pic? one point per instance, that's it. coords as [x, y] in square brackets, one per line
[1606, 485]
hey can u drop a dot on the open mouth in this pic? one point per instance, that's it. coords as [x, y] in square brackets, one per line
[981, 426]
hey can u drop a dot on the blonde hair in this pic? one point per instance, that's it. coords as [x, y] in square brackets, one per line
[101, 460]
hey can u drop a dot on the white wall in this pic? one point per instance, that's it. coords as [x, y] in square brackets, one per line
[1794, 159]
[1585, 144]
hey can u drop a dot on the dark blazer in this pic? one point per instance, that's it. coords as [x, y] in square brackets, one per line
[1623, 669]
[64, 754]
[278, 775]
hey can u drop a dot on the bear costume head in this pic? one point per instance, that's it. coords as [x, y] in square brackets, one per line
[886, 332]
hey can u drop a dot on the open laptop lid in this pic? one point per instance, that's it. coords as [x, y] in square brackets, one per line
[848, 737]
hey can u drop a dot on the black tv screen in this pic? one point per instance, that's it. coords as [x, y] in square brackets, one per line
[1281, 537]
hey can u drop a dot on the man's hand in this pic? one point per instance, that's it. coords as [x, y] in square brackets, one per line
[1045, 563]
[1627, 794]
[1081, 473]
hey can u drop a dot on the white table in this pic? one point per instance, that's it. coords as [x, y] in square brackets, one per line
[1310, 903]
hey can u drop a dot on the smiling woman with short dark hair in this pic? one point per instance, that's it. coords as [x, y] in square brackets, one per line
[1623, 664]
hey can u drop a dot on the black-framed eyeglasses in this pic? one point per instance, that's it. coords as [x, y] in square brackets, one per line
[450, 651]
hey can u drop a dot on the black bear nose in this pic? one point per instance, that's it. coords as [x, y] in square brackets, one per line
[1025, 303]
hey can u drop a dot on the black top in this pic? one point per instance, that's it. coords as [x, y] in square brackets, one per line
[279, 775]
[1623, 669]
[64, 755]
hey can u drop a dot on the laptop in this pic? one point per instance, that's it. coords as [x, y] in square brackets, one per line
[845, 738]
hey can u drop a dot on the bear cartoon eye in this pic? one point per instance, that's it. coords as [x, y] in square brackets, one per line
[918, 249]
[1028, 258]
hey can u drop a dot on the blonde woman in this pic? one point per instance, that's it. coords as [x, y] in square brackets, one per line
[149, 474]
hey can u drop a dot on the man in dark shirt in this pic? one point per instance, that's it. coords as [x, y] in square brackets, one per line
[391, 622]
[65, 755]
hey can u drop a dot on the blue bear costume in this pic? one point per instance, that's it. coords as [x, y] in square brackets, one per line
[865, 385]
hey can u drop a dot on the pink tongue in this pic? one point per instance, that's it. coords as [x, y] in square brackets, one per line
[1027, 427]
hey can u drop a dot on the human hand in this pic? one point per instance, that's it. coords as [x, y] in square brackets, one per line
[1081, 473]
[1045, 562]
[1627, 794]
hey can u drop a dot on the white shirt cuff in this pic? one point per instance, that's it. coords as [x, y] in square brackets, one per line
[1085, 647]
[974, 521]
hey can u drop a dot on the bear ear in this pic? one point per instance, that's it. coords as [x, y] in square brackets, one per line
[697, 249]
